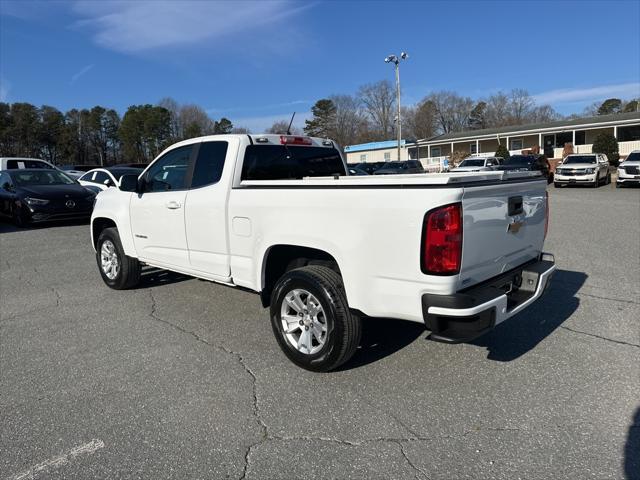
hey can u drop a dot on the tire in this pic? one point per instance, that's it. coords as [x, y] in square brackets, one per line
[556, 185]
[608, 180]
[317, 289]
[618, 185]
[126, 271]
[18, 218]
[596, 183]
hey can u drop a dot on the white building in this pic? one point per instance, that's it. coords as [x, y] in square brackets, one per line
[551, 137]
[376, 152]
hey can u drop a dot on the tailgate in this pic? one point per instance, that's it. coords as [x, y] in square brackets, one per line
[503, 228]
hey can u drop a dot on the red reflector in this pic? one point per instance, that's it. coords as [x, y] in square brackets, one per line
[294, 140]
[442, 241]
[546, 214]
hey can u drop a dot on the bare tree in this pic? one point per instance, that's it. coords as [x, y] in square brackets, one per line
[451, 110]
[350, 122]
[378, 102]
[521, 106]
[174, 109]
[194, 121]
[280, 127]
[497, 111]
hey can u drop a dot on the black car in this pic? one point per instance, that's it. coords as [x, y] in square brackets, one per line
[400, 167]
[528, 163]
[369, 167]
[39, 195]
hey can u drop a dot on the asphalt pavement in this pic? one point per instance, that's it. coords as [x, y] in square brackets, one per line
[182, 378]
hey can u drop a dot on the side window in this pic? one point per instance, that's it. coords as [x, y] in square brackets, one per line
[101, 178]
[86, 177]
[169, 172]
[490, 163]
[208, 167]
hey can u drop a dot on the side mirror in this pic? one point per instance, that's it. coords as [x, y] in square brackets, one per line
[129, 183]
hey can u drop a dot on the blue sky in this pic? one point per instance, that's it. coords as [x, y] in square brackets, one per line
[257, 61]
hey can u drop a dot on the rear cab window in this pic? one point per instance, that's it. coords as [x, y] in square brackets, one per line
[290, 162]
[16, 164]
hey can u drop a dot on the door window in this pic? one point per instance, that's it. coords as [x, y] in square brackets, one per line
[208, 167]
[169, 172]
[101, 178]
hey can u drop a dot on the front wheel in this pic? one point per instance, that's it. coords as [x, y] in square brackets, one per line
[608, 178]
[118, 270]
[311, 319]
[556, 185]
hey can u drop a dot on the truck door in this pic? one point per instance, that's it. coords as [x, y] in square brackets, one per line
[157, 214]
[206, 208]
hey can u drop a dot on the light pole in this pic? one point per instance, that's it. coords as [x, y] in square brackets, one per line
[396, 61]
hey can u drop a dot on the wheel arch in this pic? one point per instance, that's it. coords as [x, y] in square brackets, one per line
[280, 258]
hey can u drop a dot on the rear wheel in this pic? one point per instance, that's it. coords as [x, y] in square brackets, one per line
[311, 319]
[118, 270]
[556, 185]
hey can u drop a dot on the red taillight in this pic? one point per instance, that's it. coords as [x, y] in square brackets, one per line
[294, 140]
[442, 240]
[546, 214]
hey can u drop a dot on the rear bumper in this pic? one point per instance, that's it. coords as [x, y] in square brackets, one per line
[466, 315]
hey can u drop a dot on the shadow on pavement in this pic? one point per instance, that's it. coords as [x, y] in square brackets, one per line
[10, 227]
[155, 277]
[524, 331]
[632, 450]
[380, 338]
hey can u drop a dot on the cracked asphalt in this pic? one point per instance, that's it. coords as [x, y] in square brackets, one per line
[182, 378]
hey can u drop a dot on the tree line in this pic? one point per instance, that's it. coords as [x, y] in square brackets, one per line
[99, 136]
[370, 114]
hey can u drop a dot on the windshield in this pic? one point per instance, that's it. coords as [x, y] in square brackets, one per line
[279, 162]
[41, 177]
[633, 157]
[472, 163]
[524, 160]
[580, 159]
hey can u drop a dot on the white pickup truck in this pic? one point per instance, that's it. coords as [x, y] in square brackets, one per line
[279, 215]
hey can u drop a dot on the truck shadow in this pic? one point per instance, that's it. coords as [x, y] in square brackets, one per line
[525, 331]
[155, 277]
[382, 337]
[632, 449]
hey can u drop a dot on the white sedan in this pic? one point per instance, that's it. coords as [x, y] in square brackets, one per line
[103, 178]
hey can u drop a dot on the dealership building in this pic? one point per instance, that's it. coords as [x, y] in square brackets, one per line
[550, 136]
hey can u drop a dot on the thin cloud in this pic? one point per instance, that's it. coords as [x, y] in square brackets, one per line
[132, 27]
[77, 75]
[580, 95]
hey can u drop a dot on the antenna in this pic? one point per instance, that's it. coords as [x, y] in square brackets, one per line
[290, 123]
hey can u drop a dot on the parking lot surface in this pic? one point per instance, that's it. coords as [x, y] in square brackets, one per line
[182, 378]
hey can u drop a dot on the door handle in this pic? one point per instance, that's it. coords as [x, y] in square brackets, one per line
[173, 205]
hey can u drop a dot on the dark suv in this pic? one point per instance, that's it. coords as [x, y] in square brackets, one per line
[402, 167]
[528, 163]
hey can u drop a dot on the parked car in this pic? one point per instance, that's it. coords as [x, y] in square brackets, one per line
[629, 170]
[400, 167]
[478, 164]
[103, 178]
[77, 171]
[267, 212]
[370, 167]
[528, 163]
[40, 195]
[12, 163]
[583, 168]
[356, 171]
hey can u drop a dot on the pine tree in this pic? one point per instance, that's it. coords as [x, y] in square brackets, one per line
[324, 119]
[503, 152]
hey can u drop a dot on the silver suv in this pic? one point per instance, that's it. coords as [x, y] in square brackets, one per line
[583, 168]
